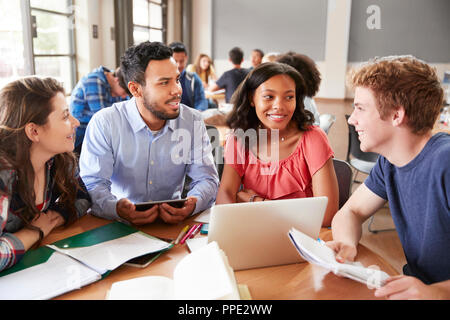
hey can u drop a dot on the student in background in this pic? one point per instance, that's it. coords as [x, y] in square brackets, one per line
[39, 186]
[231, 79]
[308, 69]
[287, 157]
[97, 90]
[204, 68]
[270, 57]
[256, 58]
[193, 93]
[397, 101]
[142, 149]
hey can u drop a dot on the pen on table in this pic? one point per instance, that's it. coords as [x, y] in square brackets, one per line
[182, 233]
[188, 234]
[196, 230]
[321, 241]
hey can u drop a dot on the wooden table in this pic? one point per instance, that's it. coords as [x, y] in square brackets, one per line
[287, 282]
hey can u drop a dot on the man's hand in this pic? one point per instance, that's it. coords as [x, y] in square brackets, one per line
[127, 210]
[404, 287]
[344, 252]
[174, 215]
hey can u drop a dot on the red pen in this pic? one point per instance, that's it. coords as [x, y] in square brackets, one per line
[197, 229]
[188, 234]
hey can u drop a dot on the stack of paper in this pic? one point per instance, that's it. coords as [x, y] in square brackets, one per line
[314, 252]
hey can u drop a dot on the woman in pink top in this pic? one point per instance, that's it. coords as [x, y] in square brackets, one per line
[275, 152]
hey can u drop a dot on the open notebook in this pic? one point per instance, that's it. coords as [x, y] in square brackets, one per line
[319, 254]
[74, 262]
[202, 275]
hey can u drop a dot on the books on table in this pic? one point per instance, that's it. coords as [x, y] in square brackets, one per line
[74, 262]
[319, 254]
[202, 275]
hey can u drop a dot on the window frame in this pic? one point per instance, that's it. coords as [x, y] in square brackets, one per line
[163, 29]
[29, 30]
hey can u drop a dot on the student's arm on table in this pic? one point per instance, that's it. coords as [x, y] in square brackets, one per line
[324, 183]
[347, 223]
[406, 287]
[14, 245]
[229, 185]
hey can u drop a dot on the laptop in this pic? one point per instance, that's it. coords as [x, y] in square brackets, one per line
[255, 234]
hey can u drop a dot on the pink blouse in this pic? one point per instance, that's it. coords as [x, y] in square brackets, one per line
[285, 179]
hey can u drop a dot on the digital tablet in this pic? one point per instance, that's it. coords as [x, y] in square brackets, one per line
[145, 260]
[177, 203]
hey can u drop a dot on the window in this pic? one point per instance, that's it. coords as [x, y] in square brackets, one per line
[149, 20]
[12, 62]
[36, 37]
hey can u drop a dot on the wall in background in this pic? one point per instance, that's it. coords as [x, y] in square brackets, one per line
[337, 34]
[273, 26]
[416, 27]
[93, 52]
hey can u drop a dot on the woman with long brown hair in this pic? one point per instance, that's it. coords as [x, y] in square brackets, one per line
[203, 66]
[39, 184]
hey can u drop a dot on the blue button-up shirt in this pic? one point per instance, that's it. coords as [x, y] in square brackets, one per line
[122, 158]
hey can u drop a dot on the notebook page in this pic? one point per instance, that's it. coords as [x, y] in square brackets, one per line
[60, 274]
[204, 274]
[312, 251]
[111, 254]
[142, 288]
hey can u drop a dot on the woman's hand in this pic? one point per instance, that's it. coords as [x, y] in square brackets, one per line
[245, 195]
[47, 221]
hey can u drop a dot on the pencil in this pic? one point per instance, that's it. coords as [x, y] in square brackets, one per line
[196, 230]
[188, 234]
[182, 232]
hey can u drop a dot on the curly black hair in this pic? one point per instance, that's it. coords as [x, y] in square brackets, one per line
[135, 60]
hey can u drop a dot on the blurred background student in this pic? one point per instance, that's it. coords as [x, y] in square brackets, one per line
[256, 58]
[204, 68]
[97, 90]
[231, 79]
[308, 69]
[39, 184]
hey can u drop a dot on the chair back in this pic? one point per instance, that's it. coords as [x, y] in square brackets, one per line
[354, 148]
[326, 120]
[344, 176]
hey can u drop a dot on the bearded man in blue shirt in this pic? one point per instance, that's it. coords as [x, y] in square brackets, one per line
[142, 149]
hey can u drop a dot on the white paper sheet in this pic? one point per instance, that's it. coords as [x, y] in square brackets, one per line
[111, 254]
[60, 274]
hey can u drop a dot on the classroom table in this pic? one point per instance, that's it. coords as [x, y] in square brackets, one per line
[288, 282]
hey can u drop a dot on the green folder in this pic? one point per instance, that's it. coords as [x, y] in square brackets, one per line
[107, 232]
